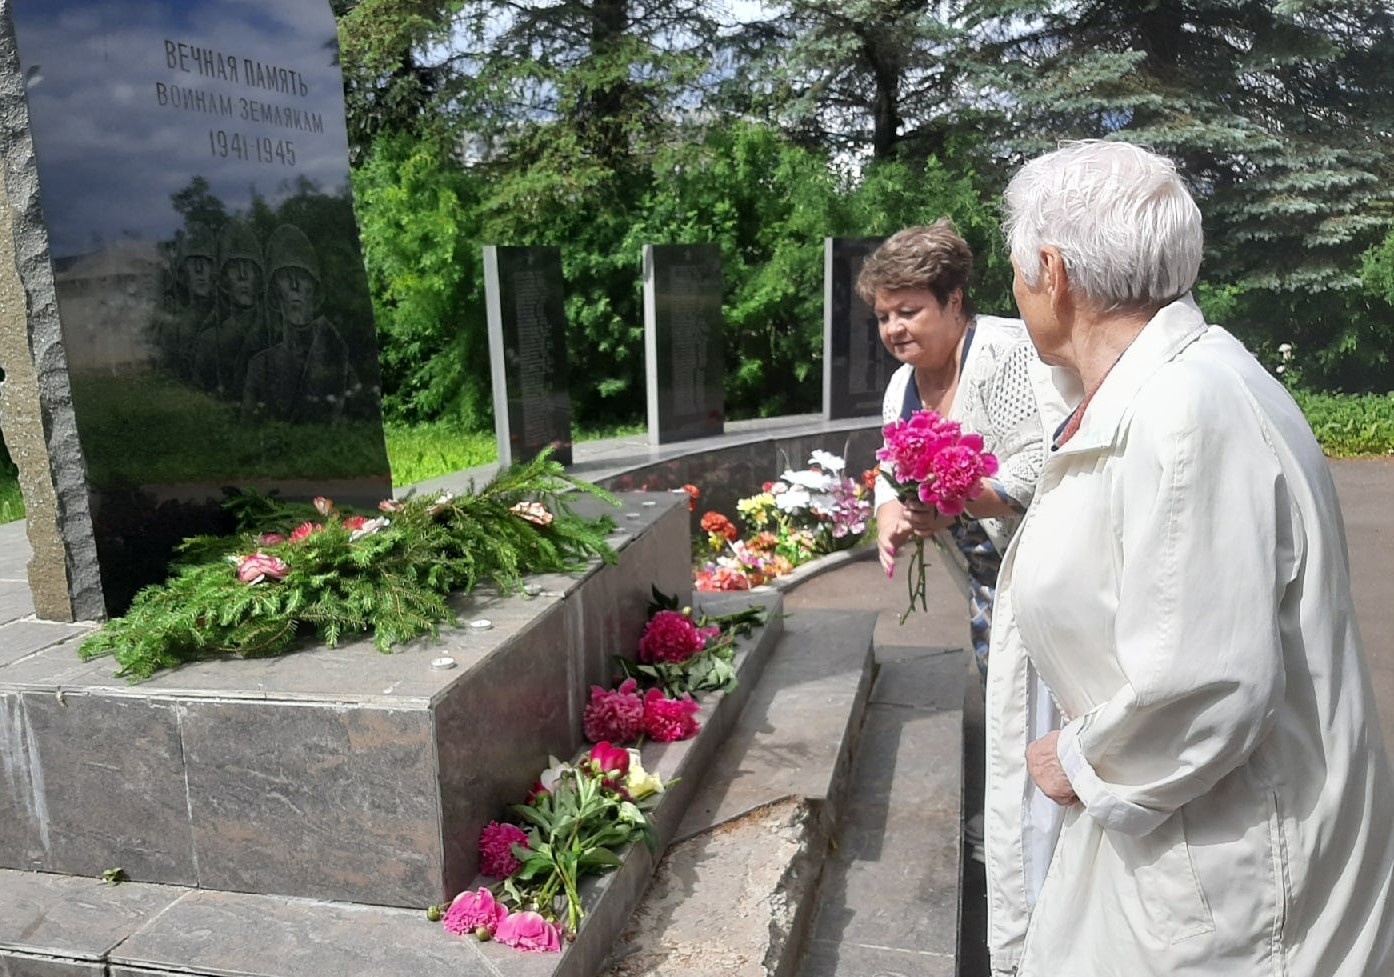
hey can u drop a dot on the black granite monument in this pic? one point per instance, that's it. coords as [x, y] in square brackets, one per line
[684, 347]
[527, 352]
[856, 366]
[177, 189]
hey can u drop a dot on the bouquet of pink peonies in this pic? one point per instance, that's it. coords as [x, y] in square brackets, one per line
[928, 458]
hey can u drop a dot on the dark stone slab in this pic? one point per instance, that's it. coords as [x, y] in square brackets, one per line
[93, 782]
[856, 366]
[331, 800]
[199, 242]
[684, 346]
[77, 920]
[523, 294]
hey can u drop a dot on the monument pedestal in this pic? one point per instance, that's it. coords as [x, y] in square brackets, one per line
[335, 774]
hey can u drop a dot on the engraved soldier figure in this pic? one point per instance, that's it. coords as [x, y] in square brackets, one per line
[192, 300]
[306, 375]
[227, 343]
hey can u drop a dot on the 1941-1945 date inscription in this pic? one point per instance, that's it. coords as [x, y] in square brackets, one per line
[263, 149]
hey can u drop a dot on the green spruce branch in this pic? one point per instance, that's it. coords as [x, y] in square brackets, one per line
[392, 583]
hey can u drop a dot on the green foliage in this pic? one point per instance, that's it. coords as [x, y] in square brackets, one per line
[1275, 114]
[857, 77]
[389, 578]
[422, 245]
[396, 74]
[894, 195]
[1350, 426]
[420, 452]
[11, 501]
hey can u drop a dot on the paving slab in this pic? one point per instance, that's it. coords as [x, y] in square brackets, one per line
[72, 920]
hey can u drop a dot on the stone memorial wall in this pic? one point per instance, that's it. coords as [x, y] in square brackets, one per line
[523, 290]
[683, 342]
[856, 366]
[177, 187]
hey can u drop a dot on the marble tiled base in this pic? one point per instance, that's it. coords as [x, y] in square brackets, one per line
[332, 774]
[78, 925]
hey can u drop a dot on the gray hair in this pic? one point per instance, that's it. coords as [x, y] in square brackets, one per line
[1121, 217]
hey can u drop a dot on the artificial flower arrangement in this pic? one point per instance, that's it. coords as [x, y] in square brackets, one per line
[800, 516]
[581, 816]
[300, 570]
[928, 458]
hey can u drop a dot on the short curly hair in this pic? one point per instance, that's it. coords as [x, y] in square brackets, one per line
[931, 257]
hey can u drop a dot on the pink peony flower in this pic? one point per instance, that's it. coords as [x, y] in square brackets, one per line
[667, 720]
[470, 912]
[259, 566]
[670, 637]
[530, 932]
[354, 522]
[616, 715]
[390, 505]
[606, 759]
[271, 539]
[304, 530]
[322, 505]
[496, 841]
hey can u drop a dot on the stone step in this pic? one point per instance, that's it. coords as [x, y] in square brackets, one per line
[735, 891]
[57, 925]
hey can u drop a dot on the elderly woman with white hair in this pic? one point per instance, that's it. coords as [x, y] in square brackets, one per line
[1204, 789]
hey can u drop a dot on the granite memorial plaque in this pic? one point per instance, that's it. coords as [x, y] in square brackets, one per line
[527, 352]
[684, 348]
[177, 189]
[856, 365]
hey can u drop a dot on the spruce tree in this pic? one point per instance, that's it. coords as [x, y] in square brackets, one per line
[1278, 112]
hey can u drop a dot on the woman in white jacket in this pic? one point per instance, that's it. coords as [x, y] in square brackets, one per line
[1217, 800]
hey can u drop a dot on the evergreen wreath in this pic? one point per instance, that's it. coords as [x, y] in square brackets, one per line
[296, 570]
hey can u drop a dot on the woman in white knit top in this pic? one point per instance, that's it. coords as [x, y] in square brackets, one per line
[980, 371]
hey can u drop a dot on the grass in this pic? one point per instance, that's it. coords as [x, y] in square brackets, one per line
[11, 504]
[1348, 426]
[423, 451]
